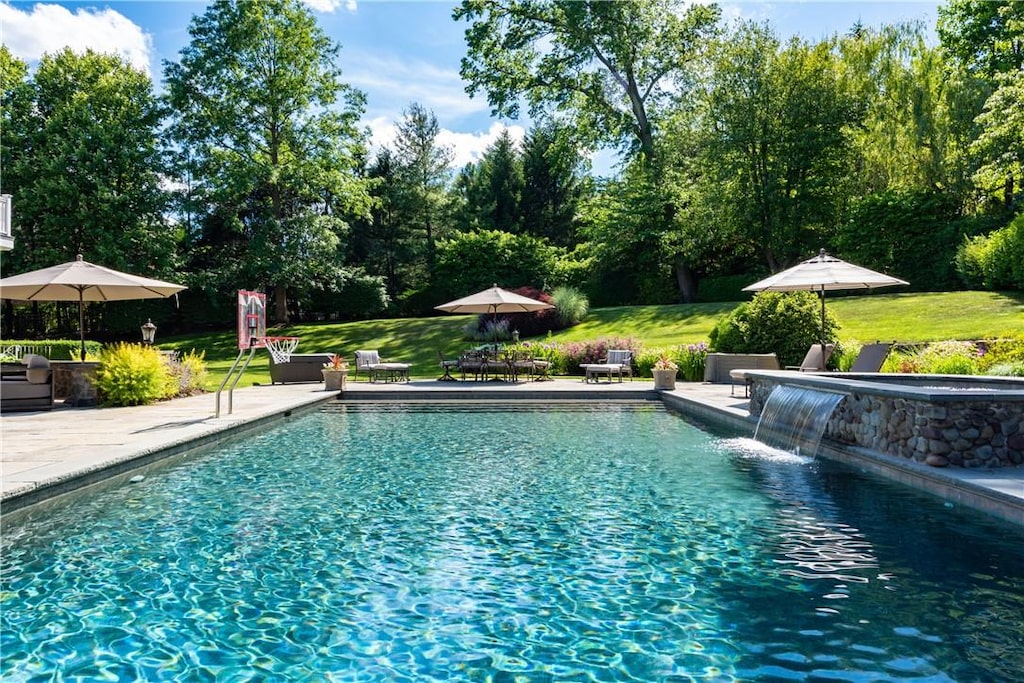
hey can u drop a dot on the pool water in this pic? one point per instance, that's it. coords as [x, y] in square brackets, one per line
[568, 542]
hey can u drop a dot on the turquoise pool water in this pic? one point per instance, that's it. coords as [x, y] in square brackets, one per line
[620, 544]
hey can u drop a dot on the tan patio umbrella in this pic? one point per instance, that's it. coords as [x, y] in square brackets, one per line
[820, 274]
[82, 281]
[494, 301]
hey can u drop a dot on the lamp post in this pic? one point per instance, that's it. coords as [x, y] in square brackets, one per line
[148, 332]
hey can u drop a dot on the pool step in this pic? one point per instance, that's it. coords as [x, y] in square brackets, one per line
[476, 405]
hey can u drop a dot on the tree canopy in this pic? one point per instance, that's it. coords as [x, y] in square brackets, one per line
[604, 68]
[740, 152]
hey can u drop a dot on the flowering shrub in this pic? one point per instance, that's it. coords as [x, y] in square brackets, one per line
[133, 374]
[576, 353]
[189, 371]
[692, 359]
[1002, 355]
[948, 358]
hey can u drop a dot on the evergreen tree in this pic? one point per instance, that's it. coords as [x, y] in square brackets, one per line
[424, 171]
[551, 186]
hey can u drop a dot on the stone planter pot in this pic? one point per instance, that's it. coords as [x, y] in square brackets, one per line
[334, 380]
[664, 379]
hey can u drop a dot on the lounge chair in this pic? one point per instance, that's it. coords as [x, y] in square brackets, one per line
[365, 360]
[370, 361]
[623, 358]
[815, 360]
[871, 357]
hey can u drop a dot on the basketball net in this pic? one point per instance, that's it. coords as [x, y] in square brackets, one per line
[280, 348]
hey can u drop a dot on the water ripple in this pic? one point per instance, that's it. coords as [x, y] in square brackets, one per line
[394, 546]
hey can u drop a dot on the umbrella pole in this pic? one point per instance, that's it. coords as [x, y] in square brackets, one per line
[81, 323]
[823, 322]
[494, 326]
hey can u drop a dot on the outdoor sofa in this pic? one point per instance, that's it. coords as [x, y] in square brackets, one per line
[27, 385]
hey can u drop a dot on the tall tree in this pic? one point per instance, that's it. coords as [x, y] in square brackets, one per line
[985, 39]
[377, 239]
[424, 168]
[81, 159]
[984, 36]
[605, 68]
[774, 119]
[909, 130]
[271, 136]
[502, 170]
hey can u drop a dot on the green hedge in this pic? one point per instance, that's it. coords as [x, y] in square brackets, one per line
[54, 349]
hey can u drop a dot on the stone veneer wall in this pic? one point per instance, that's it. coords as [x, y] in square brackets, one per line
[974, 433]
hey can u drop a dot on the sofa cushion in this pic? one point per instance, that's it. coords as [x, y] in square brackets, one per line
[38, 371]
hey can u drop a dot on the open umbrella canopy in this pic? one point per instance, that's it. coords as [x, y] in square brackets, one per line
[820, 274]
[494, 300]
[82, 281]
[823, 273]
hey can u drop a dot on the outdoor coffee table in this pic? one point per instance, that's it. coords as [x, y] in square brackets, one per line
[595, 370]
[389, 372]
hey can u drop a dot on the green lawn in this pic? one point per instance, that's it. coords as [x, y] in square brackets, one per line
[913, 317]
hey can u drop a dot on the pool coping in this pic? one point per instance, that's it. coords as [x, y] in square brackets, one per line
[995, 492]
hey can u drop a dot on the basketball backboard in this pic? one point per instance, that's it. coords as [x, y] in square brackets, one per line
[252, 319]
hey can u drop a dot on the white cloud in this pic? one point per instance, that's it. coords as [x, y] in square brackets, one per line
[471, 146]
[328, 6]
[50, 28]
[467, 147]
[397, 82]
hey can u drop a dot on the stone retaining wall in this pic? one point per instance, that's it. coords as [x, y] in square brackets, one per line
[983, 430]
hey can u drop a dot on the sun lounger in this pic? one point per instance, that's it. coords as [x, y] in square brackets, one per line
[815, 360]
[871, 357]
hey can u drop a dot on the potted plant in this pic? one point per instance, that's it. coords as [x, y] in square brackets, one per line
[664, 372]
[335, 371]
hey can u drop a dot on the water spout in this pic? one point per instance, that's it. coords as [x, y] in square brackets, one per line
[794, 418]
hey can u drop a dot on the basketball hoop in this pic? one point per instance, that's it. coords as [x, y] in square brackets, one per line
[280, 348]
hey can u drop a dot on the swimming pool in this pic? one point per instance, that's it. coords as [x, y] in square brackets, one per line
[619, 543]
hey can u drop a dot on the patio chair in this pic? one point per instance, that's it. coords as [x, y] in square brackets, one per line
[871, 357]
[623, 358]
[446, 364]
[522, 363]
[365, 361]
[474, 363]
[815, 360]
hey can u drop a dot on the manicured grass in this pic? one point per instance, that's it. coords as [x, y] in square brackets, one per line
[912, 317]
[929, 316]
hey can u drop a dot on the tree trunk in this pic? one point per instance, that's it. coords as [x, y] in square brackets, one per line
[280, 304]
[1008, 192]
[687, 280]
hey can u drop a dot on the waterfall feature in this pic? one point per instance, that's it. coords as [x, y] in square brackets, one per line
[794, 418]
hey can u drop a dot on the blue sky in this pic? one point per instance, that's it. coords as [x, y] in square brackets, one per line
[396, 52]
